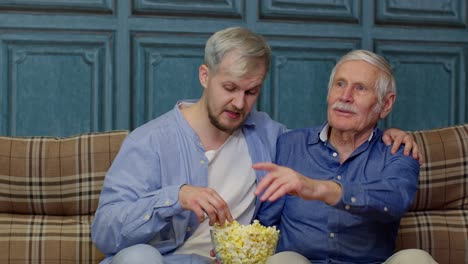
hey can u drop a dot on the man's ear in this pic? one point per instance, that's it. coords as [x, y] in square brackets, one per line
[203, 74]
[388, 102]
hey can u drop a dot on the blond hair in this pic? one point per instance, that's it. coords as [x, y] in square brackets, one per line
[249, 47]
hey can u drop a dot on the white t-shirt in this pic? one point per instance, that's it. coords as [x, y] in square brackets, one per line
[230, 173]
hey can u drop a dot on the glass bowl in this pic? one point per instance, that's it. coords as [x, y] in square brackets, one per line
[237, 244]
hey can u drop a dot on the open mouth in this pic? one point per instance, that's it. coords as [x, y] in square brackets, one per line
[233, 115]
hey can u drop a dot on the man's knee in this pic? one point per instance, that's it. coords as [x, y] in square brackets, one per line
[411, 256]
[289, 257]
[138, 254]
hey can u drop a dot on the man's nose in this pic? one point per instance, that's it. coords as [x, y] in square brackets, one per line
[347, 93]
[239, 100]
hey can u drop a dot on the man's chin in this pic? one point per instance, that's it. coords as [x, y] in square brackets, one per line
[226, 124]
[231, 127]
[342, 125]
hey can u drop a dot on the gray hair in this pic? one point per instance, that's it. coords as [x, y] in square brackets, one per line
[247, 44]
[385, 83]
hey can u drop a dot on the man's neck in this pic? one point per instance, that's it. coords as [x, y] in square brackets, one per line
[196, 116]
[346, 142]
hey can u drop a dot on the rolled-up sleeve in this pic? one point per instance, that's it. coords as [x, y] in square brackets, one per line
[384, 198]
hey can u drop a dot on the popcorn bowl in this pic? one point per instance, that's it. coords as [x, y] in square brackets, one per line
[238, 244]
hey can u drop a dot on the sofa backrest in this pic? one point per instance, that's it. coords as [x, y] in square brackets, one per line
[443, 180]
[55, 176]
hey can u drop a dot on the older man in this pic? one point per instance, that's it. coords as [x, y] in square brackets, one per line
[337, 193]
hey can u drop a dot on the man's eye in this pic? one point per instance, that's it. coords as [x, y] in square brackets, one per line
[229, 88]
[252, 92]
[340, 84]
[360, 88]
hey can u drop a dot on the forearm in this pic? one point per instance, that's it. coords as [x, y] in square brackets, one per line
[387, 197]
[328, 192]
[119, 224]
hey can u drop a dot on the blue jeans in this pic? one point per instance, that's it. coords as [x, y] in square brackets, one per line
[146, 254]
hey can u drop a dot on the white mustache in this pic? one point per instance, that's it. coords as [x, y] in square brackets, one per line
[344, 107]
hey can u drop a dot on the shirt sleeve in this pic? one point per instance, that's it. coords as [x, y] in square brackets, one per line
[269, 213]
[387, 197]
[132, 206]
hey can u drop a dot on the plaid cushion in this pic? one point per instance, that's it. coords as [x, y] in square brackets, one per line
[443, 180]
[47, 239]
[55, 176]
[49, 191]
[438, 219]
[443, 234]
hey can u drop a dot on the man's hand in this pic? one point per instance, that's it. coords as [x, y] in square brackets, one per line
[283, 180]
[213, 254]
[399, 137]
[205, 202]
[278, 182]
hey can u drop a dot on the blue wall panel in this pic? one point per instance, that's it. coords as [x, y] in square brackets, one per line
[75, 66]
[450, 13]
[74, 6]
[202, 8]
[56, 84]
[325, 10]
[165, 70]
[431, 84]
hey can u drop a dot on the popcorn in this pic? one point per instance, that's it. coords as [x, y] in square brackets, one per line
[238, 244]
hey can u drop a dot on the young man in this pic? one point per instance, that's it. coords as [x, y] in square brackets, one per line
[182, 172]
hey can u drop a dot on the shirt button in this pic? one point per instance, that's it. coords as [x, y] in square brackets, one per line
[339, 177]
[353, 199]
[347, 207]
[168, 202]
[147, 217]
[332, 235]
[334, 154]
[189, 229]
[202, 162]
[385, 209]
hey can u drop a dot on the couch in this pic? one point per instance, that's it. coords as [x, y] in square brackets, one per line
[49, 191]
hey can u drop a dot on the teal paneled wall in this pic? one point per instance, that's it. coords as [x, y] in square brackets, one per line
[69, 67]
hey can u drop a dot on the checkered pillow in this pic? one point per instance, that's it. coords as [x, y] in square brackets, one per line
[49, 191]
[438, 219]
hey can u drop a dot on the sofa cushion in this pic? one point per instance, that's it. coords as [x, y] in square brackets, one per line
[438, 219]
[443, 179]
[444, 234]
[47, 239]
[55, 176]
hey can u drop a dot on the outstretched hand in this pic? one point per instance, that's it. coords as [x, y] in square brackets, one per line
[281, 180]
[205, 202]
[278, 182]
[399, 137]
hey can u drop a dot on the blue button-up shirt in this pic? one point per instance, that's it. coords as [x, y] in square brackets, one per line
[378, 188]
[139, 199]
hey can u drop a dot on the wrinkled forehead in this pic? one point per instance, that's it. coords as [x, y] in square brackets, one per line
[359, 71]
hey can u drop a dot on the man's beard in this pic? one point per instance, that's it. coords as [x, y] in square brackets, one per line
[215, 122]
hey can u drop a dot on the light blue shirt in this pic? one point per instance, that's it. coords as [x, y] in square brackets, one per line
[139, 199]
[378, 188]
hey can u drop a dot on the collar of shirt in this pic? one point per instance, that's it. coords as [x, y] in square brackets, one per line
[323, 135]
